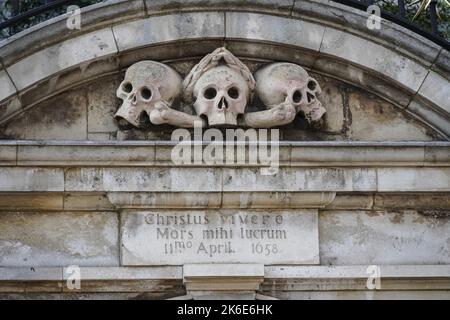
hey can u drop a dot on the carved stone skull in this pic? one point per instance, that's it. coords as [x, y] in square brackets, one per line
[221, 94]
[288, 82]
[146, 83]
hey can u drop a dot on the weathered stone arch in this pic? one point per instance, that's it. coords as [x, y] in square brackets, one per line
[393, 63]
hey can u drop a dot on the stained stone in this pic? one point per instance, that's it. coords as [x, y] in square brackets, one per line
[226, 236]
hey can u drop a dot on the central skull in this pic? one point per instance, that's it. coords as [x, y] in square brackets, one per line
[221, 94]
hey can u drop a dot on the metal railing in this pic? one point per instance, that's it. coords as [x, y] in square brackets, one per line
[15, 22]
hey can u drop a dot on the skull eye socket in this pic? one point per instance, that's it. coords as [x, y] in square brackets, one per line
[210, 93]
[233, 92]
[127, 87]
[312, 85]
[146, 93]
[297, 96]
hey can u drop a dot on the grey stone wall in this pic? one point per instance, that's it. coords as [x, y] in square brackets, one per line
[64, 195]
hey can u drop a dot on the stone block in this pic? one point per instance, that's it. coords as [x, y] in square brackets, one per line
[9, 107]
[429, 116]
[390, 34]
[143, 179]
[413, 179]
[442, 63]
[245, 200]
[174, 27]
[352, 155]
[351, 201]
[376, 120]
[383, 238]
[373, 56]
[87, 154]
[31, 274]
[436, 88]
[7, 88]
[165, 199]
[363, 78]
[437, 153]
[63, 117]
[102, 105]
[279, 6]
[87, 202]
[58, 239]
[300, 179]
[31, 201]
[413, 201]
[31, 179]
[62, 56]
[251, 26]
[124, 273]
[8, 153]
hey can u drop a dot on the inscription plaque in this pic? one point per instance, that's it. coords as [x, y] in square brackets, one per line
[219, 236]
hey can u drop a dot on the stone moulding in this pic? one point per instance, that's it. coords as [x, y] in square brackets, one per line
[207, 278]
[413, 75]
[435, 204]
[158, 153]
[286, 278]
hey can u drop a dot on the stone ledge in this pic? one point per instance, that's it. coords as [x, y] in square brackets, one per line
[357, 272]
[177, 179]
[223, 277]
[157, 154]
[113, 201]
[286, 278]
[270, 272]
[63, 56]
[330, 278]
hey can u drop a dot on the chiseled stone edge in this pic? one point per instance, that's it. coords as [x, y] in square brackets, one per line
[158, 154]
[390, 34]
[291, 278]
[176, 179]
[190, 25]
[7, 88]
[113, 201]
[356, 272]
[62, 56]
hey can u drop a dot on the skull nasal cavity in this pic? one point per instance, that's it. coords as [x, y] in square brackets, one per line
[223, 103]
[310, 97]
[297, 96]
[210, 93]
[146, 93]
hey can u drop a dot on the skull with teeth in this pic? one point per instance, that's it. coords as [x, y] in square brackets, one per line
[287, 82]
[146, 84]
[221, 94]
